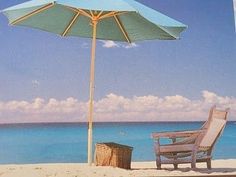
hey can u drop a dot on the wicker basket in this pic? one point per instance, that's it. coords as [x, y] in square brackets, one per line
[113, 154]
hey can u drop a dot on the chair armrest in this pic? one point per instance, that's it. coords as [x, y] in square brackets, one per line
[175, 134]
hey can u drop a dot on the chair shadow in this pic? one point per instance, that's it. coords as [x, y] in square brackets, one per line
[222, 172]
[215, 170]
[199, 170]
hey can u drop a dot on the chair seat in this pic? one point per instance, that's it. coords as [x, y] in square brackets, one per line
[176, 148]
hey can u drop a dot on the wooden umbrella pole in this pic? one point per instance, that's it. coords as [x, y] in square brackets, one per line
[91, 94]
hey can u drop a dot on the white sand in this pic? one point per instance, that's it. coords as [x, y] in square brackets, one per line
[139, 169]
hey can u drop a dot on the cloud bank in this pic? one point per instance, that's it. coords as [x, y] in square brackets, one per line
[116, 108]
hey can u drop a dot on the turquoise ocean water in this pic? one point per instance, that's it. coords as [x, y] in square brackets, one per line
[67, 142]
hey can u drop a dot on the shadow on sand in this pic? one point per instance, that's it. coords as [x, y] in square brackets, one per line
[226, 172]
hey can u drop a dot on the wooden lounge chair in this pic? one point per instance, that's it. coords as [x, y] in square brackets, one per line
[191, 146]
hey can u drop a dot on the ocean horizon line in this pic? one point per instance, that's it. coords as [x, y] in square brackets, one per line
[105, 122]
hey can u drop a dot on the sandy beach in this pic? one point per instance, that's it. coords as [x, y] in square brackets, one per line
[138, 169]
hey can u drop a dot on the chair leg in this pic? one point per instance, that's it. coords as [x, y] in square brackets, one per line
[158, 163]
[209, 160]
[175, 158]
[158, 166]
[194, 159]
[209, 164]
[193, 165]
[158, 156]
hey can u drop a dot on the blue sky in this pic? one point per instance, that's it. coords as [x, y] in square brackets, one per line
[201, 65]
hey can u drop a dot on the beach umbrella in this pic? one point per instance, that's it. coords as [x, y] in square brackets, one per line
[117, 20]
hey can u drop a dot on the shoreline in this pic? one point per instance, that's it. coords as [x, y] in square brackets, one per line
[145, 169]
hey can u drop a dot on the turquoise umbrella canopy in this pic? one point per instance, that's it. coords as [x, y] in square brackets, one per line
[139, 22]
[118, 20]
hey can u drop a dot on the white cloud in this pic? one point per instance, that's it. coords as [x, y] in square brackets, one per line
[129, 46]
[109, 44]
[116, 108]
[35, 83]
[112, 44]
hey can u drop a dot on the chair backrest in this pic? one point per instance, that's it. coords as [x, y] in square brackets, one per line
[215, 114]
[214, 127]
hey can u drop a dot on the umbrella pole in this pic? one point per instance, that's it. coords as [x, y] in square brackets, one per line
[91, 94]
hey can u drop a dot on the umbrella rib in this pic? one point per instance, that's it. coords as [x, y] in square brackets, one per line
[122, 28]
[32, 13]
[82, 12]
[111, 14]
[72, 8]
[91, 13]
[95, 16]
[70, 24]
[85, 13]
[100, 13]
